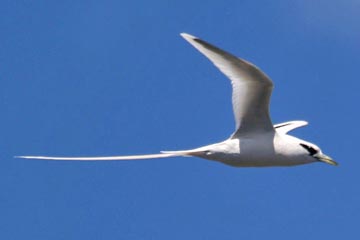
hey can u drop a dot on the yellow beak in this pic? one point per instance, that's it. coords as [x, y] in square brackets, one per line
[326, 159]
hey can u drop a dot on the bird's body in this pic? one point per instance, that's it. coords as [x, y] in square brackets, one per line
[256, 142]
[253, 151]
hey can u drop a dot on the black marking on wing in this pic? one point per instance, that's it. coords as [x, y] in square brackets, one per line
[283, 125]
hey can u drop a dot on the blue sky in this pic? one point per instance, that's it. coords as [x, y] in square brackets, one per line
[114, 77]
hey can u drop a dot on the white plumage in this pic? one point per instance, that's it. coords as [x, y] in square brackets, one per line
[256, 142]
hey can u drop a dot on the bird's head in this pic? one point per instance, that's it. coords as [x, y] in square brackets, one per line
[315, 152]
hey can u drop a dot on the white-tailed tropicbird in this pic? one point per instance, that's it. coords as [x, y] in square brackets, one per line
[256, 142]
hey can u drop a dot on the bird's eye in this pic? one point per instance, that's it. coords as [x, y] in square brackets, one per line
[312, 151]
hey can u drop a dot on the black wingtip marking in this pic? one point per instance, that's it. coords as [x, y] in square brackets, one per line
[202, 42]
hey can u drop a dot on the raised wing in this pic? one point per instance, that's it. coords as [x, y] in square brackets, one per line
[251, 88]
[112, 158]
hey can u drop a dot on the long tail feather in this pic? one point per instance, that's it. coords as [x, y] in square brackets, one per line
[111, 158]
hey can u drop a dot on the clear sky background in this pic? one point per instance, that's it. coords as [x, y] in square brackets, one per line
[114, 77]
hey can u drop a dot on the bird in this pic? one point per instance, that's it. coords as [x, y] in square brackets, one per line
[256, 142]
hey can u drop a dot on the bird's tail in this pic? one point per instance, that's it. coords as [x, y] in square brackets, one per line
[109, 158]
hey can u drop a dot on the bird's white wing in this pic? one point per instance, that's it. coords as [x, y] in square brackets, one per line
[251, 88]
[289, 126]
[112, 158]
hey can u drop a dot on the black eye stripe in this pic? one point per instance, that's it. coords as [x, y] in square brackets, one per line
[311, 150]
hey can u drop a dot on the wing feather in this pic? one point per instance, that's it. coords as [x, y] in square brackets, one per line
[251, 87]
